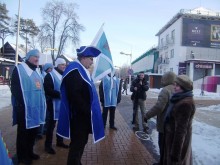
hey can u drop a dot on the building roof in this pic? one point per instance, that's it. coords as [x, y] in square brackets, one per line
[147, 53]
[21, 50]
[199, 13]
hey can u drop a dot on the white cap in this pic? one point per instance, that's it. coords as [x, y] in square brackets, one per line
[59, 61]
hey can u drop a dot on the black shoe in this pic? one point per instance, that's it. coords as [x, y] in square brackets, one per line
[62, 145]
[50, 150]
[114, 128]
[25, 161]
[34, 156]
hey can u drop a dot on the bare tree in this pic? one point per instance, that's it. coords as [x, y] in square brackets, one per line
[61, 24]
[5, 31]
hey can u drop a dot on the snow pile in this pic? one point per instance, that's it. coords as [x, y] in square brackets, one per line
[5, 96]
[205, 144]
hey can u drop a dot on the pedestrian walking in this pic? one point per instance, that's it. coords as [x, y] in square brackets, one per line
[178, 124]
[159, 109]
[110, 96]
[139, 87]
[29, 105]
[52, 82]
[80, 112]
[125, 87]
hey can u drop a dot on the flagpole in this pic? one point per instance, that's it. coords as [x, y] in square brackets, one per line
[18, 31]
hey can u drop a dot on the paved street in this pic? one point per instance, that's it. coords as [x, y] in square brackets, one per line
[119, 147]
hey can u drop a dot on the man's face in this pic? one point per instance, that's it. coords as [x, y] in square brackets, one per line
[49, 70]
[141, 76]
[34, 60]
[87, 62]
[61, 67]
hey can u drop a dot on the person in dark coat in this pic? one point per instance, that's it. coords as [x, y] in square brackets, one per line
[80, 112]
[139, 87]
[52, 83]
[110, 85]
[125, 87]
[178, 124]
[29, 105]
[159, 109]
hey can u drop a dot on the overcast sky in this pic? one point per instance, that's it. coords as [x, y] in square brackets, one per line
[130, 25]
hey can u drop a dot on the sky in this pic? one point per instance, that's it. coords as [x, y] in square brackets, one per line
[130, 25]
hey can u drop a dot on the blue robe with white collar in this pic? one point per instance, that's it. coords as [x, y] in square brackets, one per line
[63, 127]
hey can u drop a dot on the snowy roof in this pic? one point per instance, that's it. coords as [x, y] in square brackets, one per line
[199, 12]
[21, 51]
[6, 60]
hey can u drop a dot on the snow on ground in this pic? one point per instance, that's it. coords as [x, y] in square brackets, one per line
[5, 96]
[205, 144]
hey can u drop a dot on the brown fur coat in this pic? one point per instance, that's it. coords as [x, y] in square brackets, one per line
[178, 133]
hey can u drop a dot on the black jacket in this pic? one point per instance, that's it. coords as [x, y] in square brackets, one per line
[141, 89]
[78, 95]
[101, 93]
[50, 92]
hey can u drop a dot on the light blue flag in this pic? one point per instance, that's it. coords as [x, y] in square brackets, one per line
[104, 64]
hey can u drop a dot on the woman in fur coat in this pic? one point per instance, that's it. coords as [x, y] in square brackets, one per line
[178, 124]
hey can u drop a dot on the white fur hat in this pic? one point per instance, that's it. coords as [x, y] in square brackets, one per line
[59, 61]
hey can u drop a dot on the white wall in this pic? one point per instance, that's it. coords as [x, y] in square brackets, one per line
[144, 64]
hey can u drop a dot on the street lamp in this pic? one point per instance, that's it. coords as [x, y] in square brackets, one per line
[127, 54]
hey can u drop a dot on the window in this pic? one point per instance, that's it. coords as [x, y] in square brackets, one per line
[172, 53]
[161, 42]
[167, 38]
[173, 34]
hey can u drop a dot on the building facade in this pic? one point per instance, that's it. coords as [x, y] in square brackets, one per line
[190, 44]
[148, 62]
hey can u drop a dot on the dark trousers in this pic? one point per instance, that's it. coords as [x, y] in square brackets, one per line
[49, 132]
[77, 145]
[125, 90]
[112, 116]
[161, 145]
[25, 141]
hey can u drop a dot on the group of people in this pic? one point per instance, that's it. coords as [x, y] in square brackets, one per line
[60, 93]
[175, 109]
[67, 94]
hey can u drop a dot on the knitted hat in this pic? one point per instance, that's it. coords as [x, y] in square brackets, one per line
[59, 61]
[47, 66]
[88, 51]
[34, 52]
[185, 82]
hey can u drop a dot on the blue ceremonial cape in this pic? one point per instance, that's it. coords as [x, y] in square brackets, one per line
[56, 77]
[63, 127]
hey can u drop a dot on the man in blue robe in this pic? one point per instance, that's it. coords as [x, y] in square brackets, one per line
[110, 96]
[29, 105]
[80, 112]
[52, 82]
